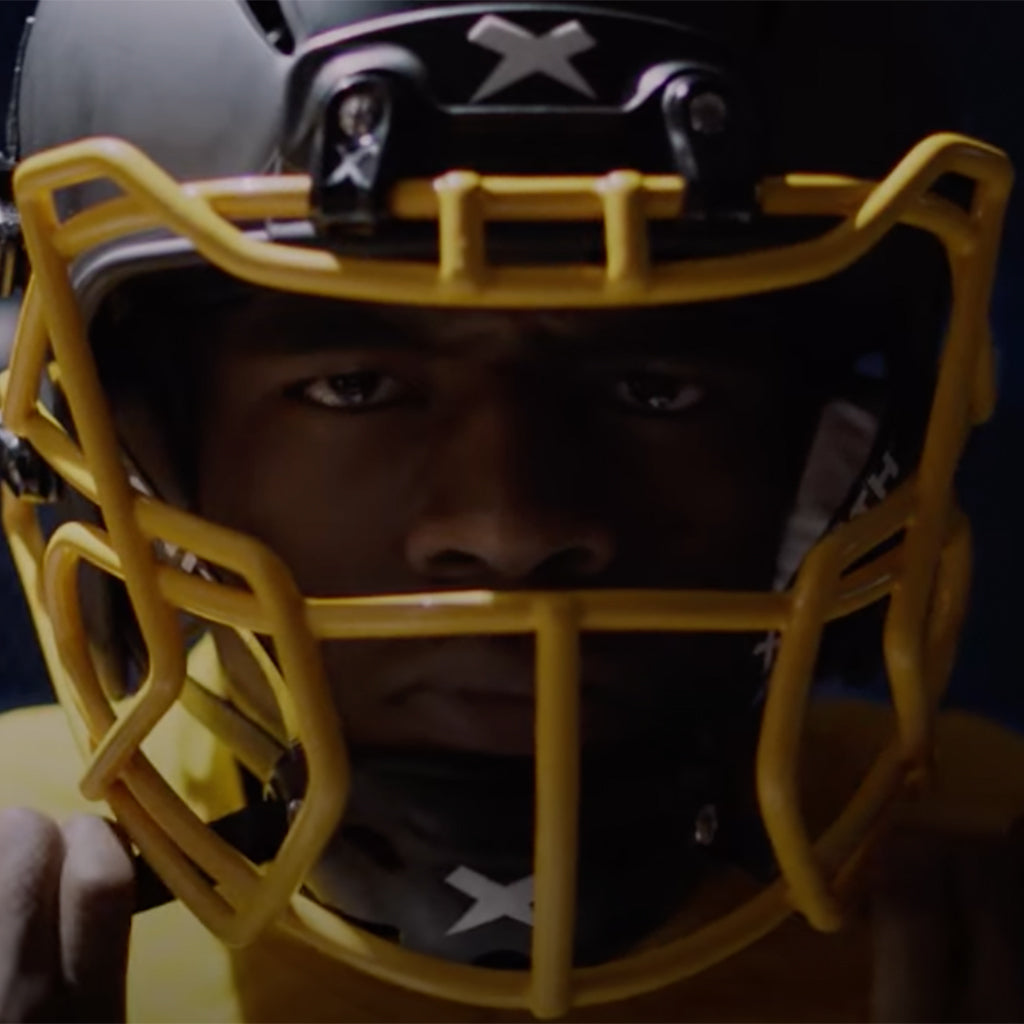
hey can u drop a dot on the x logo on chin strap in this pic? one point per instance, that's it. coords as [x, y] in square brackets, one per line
[493, 900]
[525, 54]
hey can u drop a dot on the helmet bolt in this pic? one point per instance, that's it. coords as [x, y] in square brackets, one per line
[705, 825]
[360, 112]
[709, 113]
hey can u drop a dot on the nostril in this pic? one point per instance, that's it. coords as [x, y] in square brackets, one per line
[452, 562]
[483, 549]
[567, 566]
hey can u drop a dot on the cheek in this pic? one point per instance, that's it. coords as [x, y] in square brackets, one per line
[332, 499]
[705, 507]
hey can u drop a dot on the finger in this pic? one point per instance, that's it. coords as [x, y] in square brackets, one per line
[913, 931]
[992, 909]
[31, 850]
[96, 900]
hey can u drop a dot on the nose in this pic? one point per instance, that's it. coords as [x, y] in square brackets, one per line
[511, 498]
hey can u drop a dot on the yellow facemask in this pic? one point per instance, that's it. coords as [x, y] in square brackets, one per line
[911, 549]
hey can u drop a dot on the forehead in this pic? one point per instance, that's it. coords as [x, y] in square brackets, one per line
[227, 317]
[881, 295]
[270, 321]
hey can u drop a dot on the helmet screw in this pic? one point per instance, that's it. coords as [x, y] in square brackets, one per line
[23, 470]
[705, 825]
[709, 113]
[360, 111]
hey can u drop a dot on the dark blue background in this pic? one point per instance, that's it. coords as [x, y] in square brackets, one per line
[980, 45]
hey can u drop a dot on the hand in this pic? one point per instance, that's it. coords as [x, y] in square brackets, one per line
[66, 897]
[948, 921]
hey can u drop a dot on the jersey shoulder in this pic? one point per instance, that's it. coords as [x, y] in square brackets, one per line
[979, 777]
[977, 774]
[39, 764]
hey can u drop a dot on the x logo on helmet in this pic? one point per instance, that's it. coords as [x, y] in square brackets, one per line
[526, 54]
[358, 166]
[493, 900]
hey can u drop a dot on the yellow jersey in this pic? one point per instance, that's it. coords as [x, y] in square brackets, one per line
[179, 972]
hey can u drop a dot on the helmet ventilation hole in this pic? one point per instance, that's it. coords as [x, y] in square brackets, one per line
[270, 17]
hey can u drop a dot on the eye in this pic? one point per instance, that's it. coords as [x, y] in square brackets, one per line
[656, 393]
[357, 391]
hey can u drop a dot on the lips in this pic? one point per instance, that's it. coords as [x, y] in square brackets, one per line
[480, 698]
[468, 720]
[476, 694]
[495, 723]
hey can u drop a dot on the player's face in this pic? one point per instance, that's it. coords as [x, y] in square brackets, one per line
[400, 451]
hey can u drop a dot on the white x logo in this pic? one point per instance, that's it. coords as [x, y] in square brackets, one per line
[493, 900]
[357, 166]
[525, 54]
[877, 484]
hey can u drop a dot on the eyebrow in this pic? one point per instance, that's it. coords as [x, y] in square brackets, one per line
[271, 322]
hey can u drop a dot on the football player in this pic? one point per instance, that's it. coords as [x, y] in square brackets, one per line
[452, 452]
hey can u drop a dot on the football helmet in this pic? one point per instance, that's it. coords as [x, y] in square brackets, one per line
[499, 156]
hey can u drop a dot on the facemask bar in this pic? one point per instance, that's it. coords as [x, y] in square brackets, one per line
[925, 601]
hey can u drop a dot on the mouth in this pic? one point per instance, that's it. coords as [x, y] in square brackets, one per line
[467, 719]
[501, 720]
[478, 695]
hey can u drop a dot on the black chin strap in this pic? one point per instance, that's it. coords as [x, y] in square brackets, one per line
[256, 831]
[436, 849]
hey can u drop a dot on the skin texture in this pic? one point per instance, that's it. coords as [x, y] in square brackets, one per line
[481, 451]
